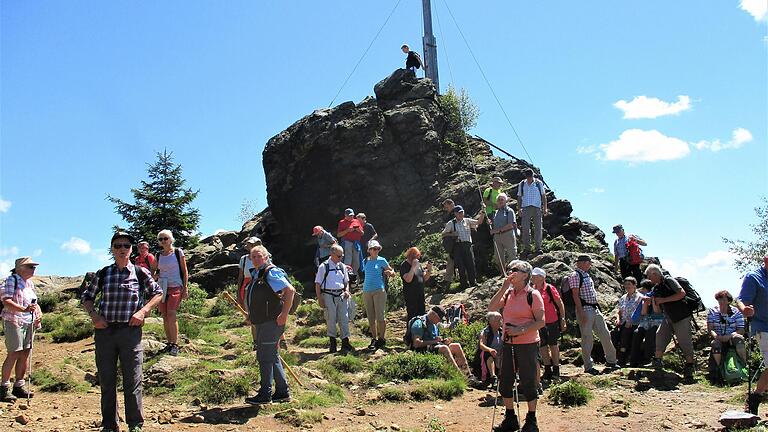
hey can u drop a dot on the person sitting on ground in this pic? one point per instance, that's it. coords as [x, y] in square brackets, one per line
[503, 229]
[532, 205]
[461, 227]
[753, 303]
[648, 318]
[244, 268]
[376, 268]
[425, 334]
[490, 347]
[414, 277]
[668, 294]
[21, 317]
[332, 290]
[725, 324]
[413, 61]
[144, 258]
[555, 324]
[523, 311]
[350, 232]
[450, 268]
[324, 242]
[171, 273]
[625, 325]
[621, 253]
[589, 316]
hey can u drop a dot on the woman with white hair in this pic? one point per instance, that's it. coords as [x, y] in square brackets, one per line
[171, 273]
[489, 349]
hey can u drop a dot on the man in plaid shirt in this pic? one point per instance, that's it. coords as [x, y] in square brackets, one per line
[589, 316]
[118, 320]
[461, 227]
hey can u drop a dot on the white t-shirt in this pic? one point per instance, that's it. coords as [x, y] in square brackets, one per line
[246, 265]
[168, 267]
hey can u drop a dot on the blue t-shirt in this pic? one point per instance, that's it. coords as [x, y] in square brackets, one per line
[276, 278]
[754, 291]
[424, 330]
[374, 273]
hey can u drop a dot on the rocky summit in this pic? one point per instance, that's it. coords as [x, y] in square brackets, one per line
[395, 157]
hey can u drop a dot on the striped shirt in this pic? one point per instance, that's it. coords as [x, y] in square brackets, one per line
[724, 324]
[121, 293]
[20, 292]
[463, 228]
[587, 294]
[530, 194]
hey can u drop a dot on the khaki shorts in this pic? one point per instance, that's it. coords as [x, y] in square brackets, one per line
[18, 338]
[375, 304]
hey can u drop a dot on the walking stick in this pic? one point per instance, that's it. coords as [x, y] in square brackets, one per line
[240, 309]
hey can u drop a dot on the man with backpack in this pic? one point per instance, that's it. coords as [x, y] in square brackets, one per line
[627, 253]
[503, 229]
[332, 290]
[461, 227]
[668, 294]
[753, 303]
[118, 319]
[413, 61]
[589, 316]
[532, 204]
[554, 324]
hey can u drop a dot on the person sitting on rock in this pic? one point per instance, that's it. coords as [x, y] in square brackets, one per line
[503, 229]
[350, 232]
[725, 324]
[648, 318]
[413, 61]
[450, 268]
[171, 273]
[668, 294]
[376, 269]
[144, 259]
[532, 204]
[621, 253]
[489, 349]
[425, 334]
[523, 311]
[332, 290]
[625, 325]
[461, 227]
[555, 324]
[324, 242]
[589, 316]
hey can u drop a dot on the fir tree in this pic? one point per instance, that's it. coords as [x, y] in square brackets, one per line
[161, 203]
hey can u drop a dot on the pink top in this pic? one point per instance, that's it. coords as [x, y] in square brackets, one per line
[517, 312]
[550, 308]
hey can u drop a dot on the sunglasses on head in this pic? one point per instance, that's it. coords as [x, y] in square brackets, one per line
[121, 245]
[515, 270]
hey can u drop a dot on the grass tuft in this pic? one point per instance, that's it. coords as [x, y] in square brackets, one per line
[569, 394]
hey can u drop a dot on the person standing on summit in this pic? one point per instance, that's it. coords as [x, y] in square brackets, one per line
[413, 61]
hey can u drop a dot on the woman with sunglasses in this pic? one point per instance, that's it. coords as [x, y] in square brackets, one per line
[171, 272]
[725, 325]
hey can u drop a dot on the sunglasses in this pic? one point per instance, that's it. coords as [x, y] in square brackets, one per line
[515, 270]
[163, 238]
[121, 245]
[30, 266]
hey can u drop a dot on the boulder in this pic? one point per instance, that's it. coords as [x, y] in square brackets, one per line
[216, 278]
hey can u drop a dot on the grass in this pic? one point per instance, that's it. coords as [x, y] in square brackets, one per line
[603, 382]
[312, 312]
[66, 326]
[569, 393]
[437, 389]
[394, 394]
[468, 336]
[335, 368]
[195, 303]
[409, 365]
[307, 332]
[57, 380]
[299, 418]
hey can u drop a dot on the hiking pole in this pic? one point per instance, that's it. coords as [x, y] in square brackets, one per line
[746, 347]
[495, 400]
[232, 300]
[29, 367]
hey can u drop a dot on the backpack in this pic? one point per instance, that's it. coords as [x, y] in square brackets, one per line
[408, 336]
[15, 287]
[634, 253]
[418, 66]
[325, 276]
[456, 314]
[535, 181]
[732, 369]
[449, 242]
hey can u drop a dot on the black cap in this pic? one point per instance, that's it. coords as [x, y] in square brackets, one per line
[528, 172]
[583, 258]
[458, 209]
[122, 234]
[439, 311]
[617, 228]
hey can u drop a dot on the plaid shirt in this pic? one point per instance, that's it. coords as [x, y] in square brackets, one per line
[627, 305]
[588, 294]
[463, 228]
[725, 324]
[18, 296]
[530, 194]
[121, 293]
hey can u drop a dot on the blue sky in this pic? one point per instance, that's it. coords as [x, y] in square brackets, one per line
[90, 90]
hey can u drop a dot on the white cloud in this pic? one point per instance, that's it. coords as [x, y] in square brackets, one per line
[586, 149]
[739, 137]
[5, 205]
[37, 252]
[715, 259]
[76, 245]
[12, 251]
[636, 145]
[644, 107]
[708, 273]
[757, 8]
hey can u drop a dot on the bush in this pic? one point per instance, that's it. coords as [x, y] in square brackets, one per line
[394, 394]
[411, 365]
[48, 301]
[215, 389]
[312, 312]
[395, 296]
[569, 394]
[468, 336]
[195, 303]
[438, 389]
[222, 307]
[346, 363]
[307, 332]
[189, 327]
[70, 327]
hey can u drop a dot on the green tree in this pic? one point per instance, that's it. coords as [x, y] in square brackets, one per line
[461, 112]
[161, 203]
[751, 253]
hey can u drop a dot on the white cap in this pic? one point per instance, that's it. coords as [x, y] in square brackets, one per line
[538, 271]
[373, 244]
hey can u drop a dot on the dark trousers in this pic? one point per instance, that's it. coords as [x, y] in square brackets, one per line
[270, 368]
[643, 346]
[414, 301]
[622, 339]
[628, 269]
[119, 341]
[465, 264]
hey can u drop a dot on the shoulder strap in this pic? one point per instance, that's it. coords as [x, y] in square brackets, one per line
[539, 186]
[529, 297]
[581, 279]
[176, 251]
[327, 269]
[549, 293]
[101, 274]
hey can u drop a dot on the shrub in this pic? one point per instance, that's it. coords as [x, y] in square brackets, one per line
[215, 389]
[307, 332]
[435, 426]
[312, 312]
[410, 365]
[195, 303]
[395, 296]
[190, 327]
[314, 342]
[394, 394]
[569, 394]
[328, 395]
[68, 328]
[55, 381]
[48, 301]
[221, 307]
[438, 389]
[468, 336]
[347, 363]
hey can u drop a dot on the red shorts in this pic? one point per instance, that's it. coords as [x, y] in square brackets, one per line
[172, 301]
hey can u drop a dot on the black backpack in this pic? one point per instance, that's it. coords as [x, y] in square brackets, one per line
[449, 242]
[15, 286]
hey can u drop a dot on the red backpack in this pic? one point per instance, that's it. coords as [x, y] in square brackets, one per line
[635, 254]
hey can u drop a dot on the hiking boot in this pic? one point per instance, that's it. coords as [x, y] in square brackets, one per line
[610, 367]
[556, 372]
[19, 392]
[509, 424]
[657, 364]
[259, 399]
[547, 373]
[592, 371]
[491, 382]
[6, 395]
[530, 423]
[281, 397]
[688, 372]
[381, 343]
[135, 428]
[174, 350]
[540, 389]
[372, 345]
[332, 345]
[753, 403]
[474, 382]
[346, 346]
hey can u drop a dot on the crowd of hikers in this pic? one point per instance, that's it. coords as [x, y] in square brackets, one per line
[516, 353]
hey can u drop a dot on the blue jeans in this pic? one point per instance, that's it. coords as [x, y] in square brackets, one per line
[270, 367]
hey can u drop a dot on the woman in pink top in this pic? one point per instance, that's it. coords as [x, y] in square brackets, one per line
[523, 310]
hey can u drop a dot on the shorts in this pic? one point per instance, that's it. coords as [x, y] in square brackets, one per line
[172, 301]
[18, 338]
[375, 304]
[762, 341]
[550, 334]
[525, 359]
